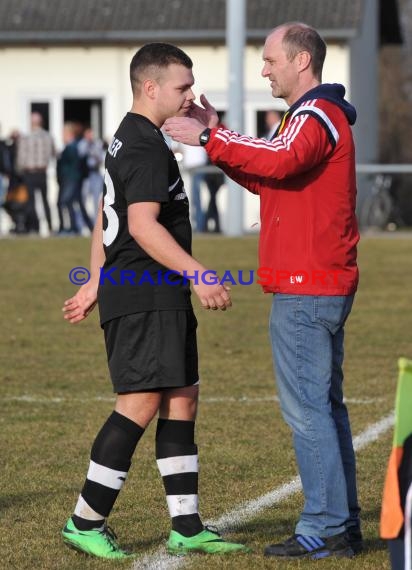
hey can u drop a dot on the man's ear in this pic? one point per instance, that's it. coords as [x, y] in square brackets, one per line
[150, 88]
[304, 60]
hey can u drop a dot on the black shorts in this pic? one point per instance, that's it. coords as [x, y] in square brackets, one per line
[152, 350]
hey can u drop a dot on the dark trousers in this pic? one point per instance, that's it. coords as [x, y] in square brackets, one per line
[67, 191]
[214, 182]
[70, 194]
[36, 181]
[78, 197]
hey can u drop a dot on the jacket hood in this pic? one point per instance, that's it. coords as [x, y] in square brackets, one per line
[333, 92]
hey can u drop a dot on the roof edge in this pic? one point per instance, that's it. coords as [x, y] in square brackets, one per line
[112, 36]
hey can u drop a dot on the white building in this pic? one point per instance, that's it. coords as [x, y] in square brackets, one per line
[69, 59]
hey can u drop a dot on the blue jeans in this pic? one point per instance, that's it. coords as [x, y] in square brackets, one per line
[307, 342]
[65, 201]
[95, 189]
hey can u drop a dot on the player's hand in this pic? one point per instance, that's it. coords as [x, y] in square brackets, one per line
[214, 296]
[79, 307]
[206, 115]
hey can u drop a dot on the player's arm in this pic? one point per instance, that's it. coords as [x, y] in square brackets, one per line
[161, 246]
[78, 307]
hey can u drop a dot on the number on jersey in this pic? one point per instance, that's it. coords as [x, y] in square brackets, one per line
[112, 229]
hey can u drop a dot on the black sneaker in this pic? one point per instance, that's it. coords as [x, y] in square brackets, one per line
[314, 547]
[355, 538]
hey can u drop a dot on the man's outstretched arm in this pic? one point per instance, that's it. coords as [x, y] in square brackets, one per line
[78, 307]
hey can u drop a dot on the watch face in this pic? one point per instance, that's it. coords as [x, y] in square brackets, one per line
[204, 137]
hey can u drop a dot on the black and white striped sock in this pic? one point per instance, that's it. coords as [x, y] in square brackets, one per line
[177, 460]
[110, 462]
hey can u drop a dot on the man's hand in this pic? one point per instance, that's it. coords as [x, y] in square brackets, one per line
[213, 296]
[184, 130]
[206, 115]
[79, 307]
[187, 129]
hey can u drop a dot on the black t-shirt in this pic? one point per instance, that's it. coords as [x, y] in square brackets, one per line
[140, 167]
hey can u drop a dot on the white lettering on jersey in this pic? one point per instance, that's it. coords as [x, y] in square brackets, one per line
[110, 233]
[114, 147]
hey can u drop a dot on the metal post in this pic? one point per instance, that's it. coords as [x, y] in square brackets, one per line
[235, 40]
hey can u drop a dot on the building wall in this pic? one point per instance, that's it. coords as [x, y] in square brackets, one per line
[53, 74]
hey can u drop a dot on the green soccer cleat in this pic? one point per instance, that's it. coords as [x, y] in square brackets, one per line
[207, 541]
[100, 543]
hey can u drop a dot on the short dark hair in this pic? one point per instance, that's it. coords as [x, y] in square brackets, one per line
[157, 55]
[301, 37]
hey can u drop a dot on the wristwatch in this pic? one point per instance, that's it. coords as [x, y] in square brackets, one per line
[204, 137]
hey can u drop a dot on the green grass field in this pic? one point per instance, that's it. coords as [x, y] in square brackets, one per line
[55, 394]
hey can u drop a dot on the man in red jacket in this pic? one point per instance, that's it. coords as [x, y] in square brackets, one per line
[305, 177]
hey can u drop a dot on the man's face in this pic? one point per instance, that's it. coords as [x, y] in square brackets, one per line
[282, 73]
[68, 134]
[36, 120]
[174, 91]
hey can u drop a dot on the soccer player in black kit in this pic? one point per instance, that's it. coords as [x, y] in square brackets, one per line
[142, 242]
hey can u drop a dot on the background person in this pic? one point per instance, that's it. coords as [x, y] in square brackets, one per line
[214, 181]
[35, 152]
[273, 118]
[193, 159]
[17, 196]
[4, 166]
[305, 178]
[82, 216]
[69, 177]
[92, 153]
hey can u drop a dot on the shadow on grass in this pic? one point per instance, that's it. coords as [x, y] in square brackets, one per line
[374, 545]
[144, 547]
[25, 499]
[279, 528]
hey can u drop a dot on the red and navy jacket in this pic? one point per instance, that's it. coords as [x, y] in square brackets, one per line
[305, 177]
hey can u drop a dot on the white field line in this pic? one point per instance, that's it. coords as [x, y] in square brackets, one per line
[160, 560]
[213, 400]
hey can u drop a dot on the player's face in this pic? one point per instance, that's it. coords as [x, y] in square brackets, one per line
[281, 72]
[175, 95]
